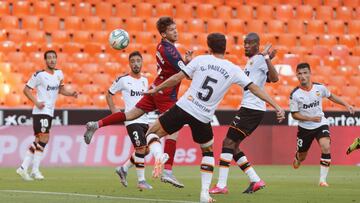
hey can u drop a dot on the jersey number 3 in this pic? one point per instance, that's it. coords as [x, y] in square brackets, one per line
[206, 86]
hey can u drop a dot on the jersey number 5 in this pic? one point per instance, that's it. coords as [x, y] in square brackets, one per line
[206, 86]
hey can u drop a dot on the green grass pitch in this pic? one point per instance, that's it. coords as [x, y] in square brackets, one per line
[100, 184]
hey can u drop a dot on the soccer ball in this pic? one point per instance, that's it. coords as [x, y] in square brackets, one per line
[119, 39]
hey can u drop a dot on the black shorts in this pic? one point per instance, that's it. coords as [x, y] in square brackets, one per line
[175, 118]
[244, 123]
[137, 132]
[41, 123]
[305, 136]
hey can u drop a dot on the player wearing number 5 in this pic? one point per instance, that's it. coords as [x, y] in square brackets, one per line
[48, 83]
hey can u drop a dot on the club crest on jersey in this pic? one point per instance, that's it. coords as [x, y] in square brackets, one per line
[251, 63]
[317, 93]
[190, 98]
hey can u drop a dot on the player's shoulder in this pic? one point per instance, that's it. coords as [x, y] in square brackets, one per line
[58, 71]
[122, 77]
[259, 58]
[316, 84]
[39, 72]
[294, 92]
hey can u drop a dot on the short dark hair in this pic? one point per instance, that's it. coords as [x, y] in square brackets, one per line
[217, 42]
[134, 53]
[302, 66]
[163, 23]
[48, 52]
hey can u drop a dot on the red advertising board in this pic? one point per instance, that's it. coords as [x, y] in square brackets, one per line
[111, 146]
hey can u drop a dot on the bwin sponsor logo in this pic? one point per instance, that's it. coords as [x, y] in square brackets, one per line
[311, 105]
[136, 93]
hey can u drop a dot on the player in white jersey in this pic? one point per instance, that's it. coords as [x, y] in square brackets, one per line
[260, 70]
[306, 107]
[211, 76]
[48, 84]
[132, 87]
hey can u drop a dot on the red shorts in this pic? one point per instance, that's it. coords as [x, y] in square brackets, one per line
[158, 102]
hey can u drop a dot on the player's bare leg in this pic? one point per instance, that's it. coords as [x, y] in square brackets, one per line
[299, 157]
[170, 148]
[354, 146]
[112, 119]
[325, 160]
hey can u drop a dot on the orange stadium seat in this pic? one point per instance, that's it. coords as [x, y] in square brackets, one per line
[331, 61]
[80, 58]
[313, 60]
[15, 57]
[144, 10]
[69, 68]
[344, 13]
[60, 36]
[333, 3]
[164, 9]
[354, 27]
[299, 50]
[295, 26]
[103, 80]
[224, 12]
[254, 2]
[42, 8]
[93, 23]
[83, 9]
[196, 26]
[215, 2]
[336, 27]
[346, 71]
[205, 11]
[315, 27]
[104, 9]
[340, 51]
[100, 36]
[235, 26]
[72, 47]
[144, 38]
[29, 47]
[31, 23]
[9, 22]
[3, 36]
[350, 91]
[268, 38]
[81, 36]
[4, 8]
[354, 61]
[184, 11]
[255, 26]
[124, 10]
[186, 39]
[90, 68]
[304, 12]
[289, 40]
[351, 3]
[276, 26]
[245, 12]
[114, 23]
[63, 9]
[80, 79]
[101, 58]
[180, 25]
[72, 23]
[151, 25]
[82, 101]
[201, 39]
[215, 25]
[264, 12]
[134, 24]
[327, 40]
[233, 3]
[308, 40]
[324, 13]
[99, 101]
[7, 46]
[21, 8]
[284, 12]
[13, 100]
[17, 35]
[27, 69]
[51, 23]
[313, 3]
[93, 48]
[320, 50]
[90, 89]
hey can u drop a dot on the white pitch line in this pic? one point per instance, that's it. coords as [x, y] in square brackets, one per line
[94, 196]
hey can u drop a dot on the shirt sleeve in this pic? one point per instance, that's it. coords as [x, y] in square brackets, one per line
[190, 68]
[34, 81]
[294, 105]
[261, 63]
[116, 86]
[61, 74]
[325, 92]
[174, 58]
[241, 78]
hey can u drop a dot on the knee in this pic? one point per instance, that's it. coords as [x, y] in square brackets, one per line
[44, 138]
[325, 149]
[141, 150]
[301, 156]
[207, 149]
[229, 143]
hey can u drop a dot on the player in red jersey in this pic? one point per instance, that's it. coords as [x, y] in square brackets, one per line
[169, 62]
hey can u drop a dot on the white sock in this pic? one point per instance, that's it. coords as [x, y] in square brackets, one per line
[36, 161]
[248, 169]
[167, 171]
[140, 167]
[225, 160]
[155, 147]
[27, 160]
[324, 169]
[128, 164]
[207, 169]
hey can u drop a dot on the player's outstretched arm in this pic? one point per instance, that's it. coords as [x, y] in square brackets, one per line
[170, 82]
[298, 116]
[30, 96]
[338, 100]
[64, 91]
[269, 55]
[110, 102]
[264, 96]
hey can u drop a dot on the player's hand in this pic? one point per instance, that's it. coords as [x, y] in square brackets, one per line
[266, 50]
[188, 56]
[151, 91]
[272, 54]
[351, 109]
[316, 119]
[40, 105]
[280, 115]
[75, 94]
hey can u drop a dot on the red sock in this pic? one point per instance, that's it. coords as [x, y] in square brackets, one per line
[170, 148]
[112, 119]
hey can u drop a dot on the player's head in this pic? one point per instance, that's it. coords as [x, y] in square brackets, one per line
[251, 44]
[216, 43]
[50, 59]
[303, 73]
[167, 28]
[135, 61]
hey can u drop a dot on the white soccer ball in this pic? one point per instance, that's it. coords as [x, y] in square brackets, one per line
[119, 39]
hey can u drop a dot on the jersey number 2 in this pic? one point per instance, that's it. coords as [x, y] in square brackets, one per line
[206, 86]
